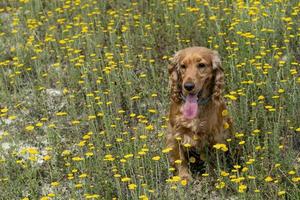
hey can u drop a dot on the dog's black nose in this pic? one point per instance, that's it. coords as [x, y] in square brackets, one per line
[189, 86]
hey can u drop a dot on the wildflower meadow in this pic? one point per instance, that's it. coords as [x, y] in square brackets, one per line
[84, 98]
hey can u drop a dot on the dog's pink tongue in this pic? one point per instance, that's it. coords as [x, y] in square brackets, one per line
[190, 107]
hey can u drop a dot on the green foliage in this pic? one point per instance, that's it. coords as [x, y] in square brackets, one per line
[84, 98]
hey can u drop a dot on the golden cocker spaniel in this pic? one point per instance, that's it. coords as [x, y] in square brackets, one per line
[196, 116]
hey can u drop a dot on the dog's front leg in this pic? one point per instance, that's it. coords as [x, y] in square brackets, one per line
[182, 165]
[177, 158]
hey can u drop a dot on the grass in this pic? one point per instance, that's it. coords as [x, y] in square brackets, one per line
[84, 97]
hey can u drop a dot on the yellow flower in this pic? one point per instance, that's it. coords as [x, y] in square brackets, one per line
[39, 124]
[292, 172]
[178, 138]
[237, 166]
[242, 188]
[261, 97]
[92, 196]
[83, 175]
[250, 161]
[47, 157]
[52, 126]
[166, 150]
[143, 197]
[280, 193]
[132, 115]
[223, 173]
[128, 156]
[117, 175]
[156, 158]
[89, 154]
[220, 185]
[61, 114]
[66, 153]
[245, 169]
[242, 142]
[253, 104]
[143, 137]
[125, 179]
[256, 131]
[32, 151]
[12, 117]
[77, 158]
[132, 186]
[87, 136]
[135, 97]
[231, 97]
[29, 128]
[4, 110]
[151, 110]
[91, 117]
[176, 178]
[149, 127]
[178, 161]
[224, 113]
[54, 184]
[171, 169]
[268, 179]
[187, 145]
[296, 179]
[213, 18]
[51, 195]
[184, 182]
[223, 147]
[277, 165]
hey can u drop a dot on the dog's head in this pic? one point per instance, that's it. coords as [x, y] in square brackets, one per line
[196, 71]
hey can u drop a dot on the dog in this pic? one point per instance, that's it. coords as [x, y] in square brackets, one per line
[197, 115]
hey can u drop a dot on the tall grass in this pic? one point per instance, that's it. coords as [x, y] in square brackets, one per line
[84, 98]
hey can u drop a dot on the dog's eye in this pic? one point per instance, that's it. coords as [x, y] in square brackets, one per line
[182, 66]
[201, 65]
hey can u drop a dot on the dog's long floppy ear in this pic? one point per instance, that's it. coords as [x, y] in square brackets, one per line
[174, 77]
[219, 77]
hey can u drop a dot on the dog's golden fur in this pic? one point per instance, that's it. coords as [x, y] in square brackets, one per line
[208, 127]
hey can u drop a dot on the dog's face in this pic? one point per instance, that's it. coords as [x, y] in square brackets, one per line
[196, 68]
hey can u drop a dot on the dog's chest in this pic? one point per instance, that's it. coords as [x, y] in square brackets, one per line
[196, 126]
[197, 132]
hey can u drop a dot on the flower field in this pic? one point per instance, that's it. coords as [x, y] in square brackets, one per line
[84, 98]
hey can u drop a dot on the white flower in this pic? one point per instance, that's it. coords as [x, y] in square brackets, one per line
[53, 92]
[5, 146]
